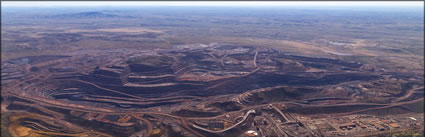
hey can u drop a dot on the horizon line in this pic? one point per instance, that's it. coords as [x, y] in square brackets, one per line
[213, 3]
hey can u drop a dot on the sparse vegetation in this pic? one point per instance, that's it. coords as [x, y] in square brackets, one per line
[194, 71]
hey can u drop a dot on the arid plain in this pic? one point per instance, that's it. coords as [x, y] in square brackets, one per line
[192, 71]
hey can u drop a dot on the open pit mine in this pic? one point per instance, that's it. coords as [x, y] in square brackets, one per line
[205, 90]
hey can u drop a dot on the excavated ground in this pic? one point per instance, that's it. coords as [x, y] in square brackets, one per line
[191, 81]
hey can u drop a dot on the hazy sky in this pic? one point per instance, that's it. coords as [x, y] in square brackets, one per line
[212, 3]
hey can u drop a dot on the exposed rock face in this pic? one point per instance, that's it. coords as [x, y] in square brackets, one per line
[168, 90]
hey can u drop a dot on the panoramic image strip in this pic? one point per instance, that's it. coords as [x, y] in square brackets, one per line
[212, 69]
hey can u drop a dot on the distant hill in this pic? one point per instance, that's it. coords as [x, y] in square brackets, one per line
[89, 15]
